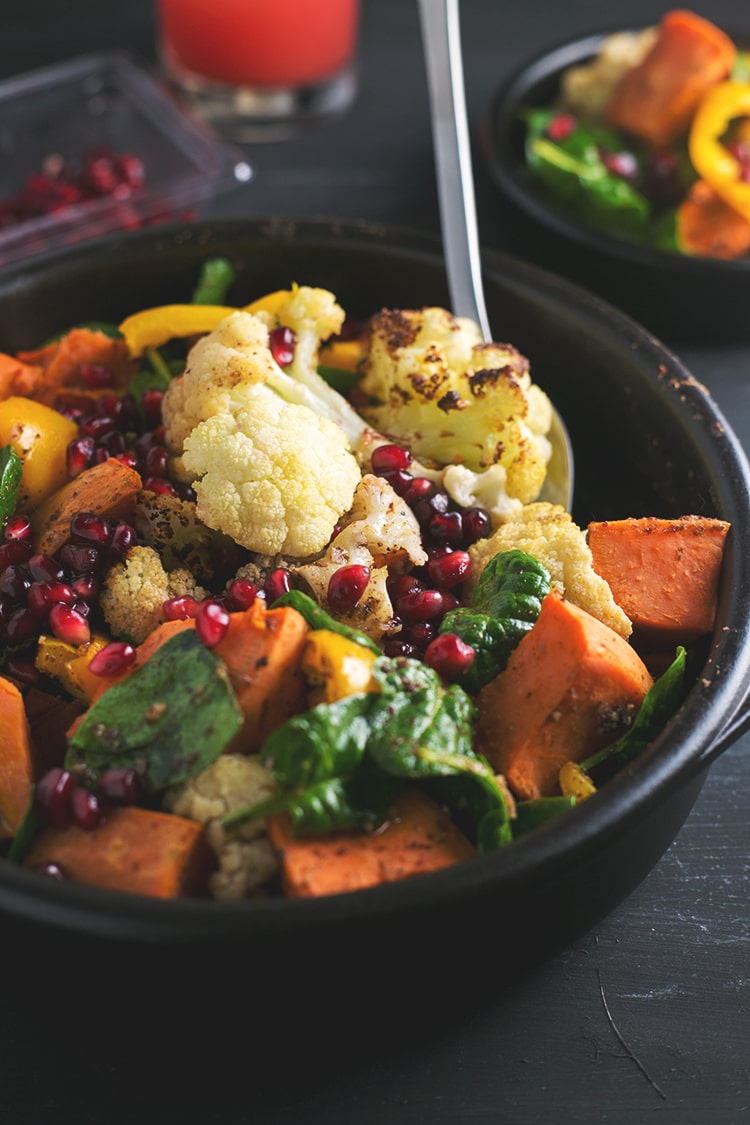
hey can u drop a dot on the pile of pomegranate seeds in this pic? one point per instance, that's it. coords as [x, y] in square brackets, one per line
[422, 599]
[62, 184]
[63, 799]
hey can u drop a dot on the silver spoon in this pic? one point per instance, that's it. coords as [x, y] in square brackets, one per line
[441, 37]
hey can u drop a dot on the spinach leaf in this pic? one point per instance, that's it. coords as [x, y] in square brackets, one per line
[573, 169]
[530, 814]
[327, 741]
[169, 720]
[340, 378]
[659, 705]
[216, 276]
[11, 469]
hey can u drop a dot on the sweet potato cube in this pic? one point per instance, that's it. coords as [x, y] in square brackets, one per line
[16, 762]
[420, 837]
[571, 687]
[663, 573]
[108, 489]
[134, 849]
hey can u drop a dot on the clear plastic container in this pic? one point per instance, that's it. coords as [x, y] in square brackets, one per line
[57, 117]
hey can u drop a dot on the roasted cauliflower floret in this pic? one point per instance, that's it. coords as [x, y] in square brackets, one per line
[548, 532]
[171, 526]
[246, 859]
[135, 590]
[381, 533]
[272, 475]
[433, 383]
[586, 89]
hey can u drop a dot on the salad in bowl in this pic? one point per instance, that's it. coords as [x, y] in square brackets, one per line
[282, 613]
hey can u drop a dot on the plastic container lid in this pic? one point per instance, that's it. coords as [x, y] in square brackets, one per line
[53, 123]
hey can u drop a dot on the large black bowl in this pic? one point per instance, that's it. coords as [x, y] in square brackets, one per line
[648, 441]
[676, 296]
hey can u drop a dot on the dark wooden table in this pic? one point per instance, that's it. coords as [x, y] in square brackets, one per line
[647, 1018]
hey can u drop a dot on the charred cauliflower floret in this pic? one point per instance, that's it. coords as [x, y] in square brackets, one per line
[381, 533]
[135, 590]
[548, 532]
[171, 526]
[432, 382]
[246, 859]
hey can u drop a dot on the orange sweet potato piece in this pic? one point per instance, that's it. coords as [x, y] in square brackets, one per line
[708, 226]
[16, 767]
[262, 650]
[17, 377]
[656, 99]
[49, 717]
[420, 837]
[664, 574]
[60, 362]
[570, 687]
[108, 489]
[134, 849]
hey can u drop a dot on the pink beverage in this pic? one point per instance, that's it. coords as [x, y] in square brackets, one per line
[265, 48]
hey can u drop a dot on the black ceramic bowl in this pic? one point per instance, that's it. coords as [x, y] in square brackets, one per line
[648, 441]
[676, 296]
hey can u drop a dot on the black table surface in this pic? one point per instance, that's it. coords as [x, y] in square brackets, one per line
[646, 1018]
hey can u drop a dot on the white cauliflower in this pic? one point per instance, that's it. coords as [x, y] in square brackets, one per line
[246, 858]
[453, 399]
[267, 454]
[272, 475]
[381, 533]
[547, 532]
[135, 590]
[586, 89]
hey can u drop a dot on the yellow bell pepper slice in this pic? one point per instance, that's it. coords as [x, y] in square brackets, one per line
[40, 436]
[336, 667]
[575, 783]
[68, 664]
[344, 354]
[150, 328]
[711, 159]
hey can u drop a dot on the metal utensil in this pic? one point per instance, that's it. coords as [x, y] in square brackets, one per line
[441, 37]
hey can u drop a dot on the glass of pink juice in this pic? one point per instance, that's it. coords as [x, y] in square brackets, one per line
[261, 69]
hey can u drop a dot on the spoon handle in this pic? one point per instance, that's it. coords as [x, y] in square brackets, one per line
[441, 37]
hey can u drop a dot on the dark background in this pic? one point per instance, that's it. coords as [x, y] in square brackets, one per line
[644, 1019]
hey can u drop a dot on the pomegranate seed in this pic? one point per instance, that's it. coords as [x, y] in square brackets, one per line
[14, 551]
[419, 634]
[123, 538]
[346, 587]
[278, 582]
[282, 342]
[185, 491]
[14, 582]
[97, 426]
[94, 375]
[42, 568]
[419, 606]
[447, 527]
[448, 655]
[18, 528]
[561, 126]
[85, 586]
[99, 176]
[390, 458]
[111, 443]
[623, 164]
[79, 455]
[112, 660]
[241, 594]
[151, 401]
[180, 608]
[434, 504]
[404, 584]
[53, 793]
[20, 626]
[449, 570]
[158, 484]
[127, 458]
[85, 808]
[88, 528]
[476, 524]
[69, 625]
[421, 488]
[23, 670]
[399, 480]
[211, 622]
[131, 170]
[43, 595]
[156, 461]
[79, 558]
[400, 648]
[120, 786]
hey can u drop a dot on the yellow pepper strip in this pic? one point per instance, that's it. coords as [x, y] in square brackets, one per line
[40, 437]
[336, 667]
[344, 354]
[69, 664]
[575, 783]
[153, 327]
[711, 159]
